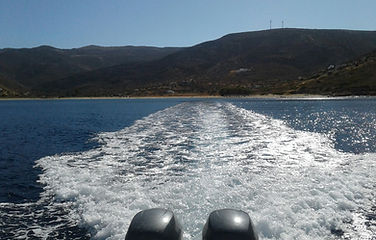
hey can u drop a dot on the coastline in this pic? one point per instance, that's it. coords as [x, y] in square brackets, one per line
[266, 96]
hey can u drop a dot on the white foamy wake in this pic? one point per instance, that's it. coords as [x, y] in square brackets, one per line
[194, 158]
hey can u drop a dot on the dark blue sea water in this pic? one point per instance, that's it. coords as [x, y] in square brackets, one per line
[82, 168]
[31, 130]
[350, 123]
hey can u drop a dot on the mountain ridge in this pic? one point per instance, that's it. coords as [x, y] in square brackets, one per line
[21, 69]
[256, 61]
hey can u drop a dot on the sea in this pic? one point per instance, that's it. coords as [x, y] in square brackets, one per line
[81, 169]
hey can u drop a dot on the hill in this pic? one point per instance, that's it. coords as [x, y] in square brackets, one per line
[22, 70]
[255, 61]
[246, 63]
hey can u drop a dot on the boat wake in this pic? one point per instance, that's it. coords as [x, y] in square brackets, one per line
[194, 158]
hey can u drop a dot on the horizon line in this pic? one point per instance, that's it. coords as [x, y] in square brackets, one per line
[156, 46]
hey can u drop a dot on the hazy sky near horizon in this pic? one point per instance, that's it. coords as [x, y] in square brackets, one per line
[76, 23]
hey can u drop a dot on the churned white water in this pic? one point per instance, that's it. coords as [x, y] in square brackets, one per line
[194, 158]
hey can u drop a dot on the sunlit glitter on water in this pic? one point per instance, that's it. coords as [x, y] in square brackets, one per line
[194, 158]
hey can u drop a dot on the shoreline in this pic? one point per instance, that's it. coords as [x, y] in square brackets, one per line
[267, 96]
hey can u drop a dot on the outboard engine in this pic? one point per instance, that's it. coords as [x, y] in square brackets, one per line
[229, 224]
[154, 224]
[161, 224]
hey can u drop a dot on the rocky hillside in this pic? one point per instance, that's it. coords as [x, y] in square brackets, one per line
[357, 77]
[245, 63]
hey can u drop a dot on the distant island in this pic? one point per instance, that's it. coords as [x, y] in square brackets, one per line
[278, 61]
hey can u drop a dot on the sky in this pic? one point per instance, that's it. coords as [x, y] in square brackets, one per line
[167, 23]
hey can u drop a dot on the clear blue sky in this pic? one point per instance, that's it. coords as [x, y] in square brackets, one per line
[76, 23]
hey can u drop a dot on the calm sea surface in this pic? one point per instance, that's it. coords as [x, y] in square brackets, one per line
[76, 169]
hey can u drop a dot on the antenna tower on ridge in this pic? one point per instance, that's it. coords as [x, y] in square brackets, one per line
[270, 24]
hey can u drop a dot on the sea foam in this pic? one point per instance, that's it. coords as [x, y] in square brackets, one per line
[194, 158]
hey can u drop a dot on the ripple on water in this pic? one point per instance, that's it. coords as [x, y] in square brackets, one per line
[194, 158]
